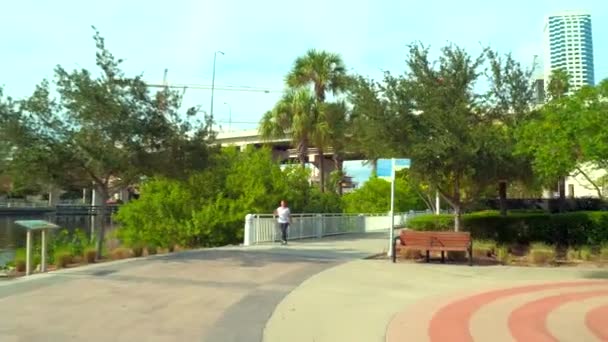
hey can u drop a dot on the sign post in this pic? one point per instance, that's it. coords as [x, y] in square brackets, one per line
[386, 169]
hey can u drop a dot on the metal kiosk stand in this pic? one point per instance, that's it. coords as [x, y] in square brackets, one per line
[30, 226]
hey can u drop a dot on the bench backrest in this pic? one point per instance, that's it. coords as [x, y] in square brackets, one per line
[435, 239]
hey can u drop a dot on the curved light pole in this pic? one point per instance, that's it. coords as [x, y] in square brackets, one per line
[229, 115]
[213, 82]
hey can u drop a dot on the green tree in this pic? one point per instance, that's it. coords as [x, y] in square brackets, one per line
[294, 116]
[374, 197]
[380, 117]
[559, 84]
[105, 131]
[325, 72]
[507, 104]
[568, 136]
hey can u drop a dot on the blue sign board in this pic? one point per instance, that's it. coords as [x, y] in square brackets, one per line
[385, 166]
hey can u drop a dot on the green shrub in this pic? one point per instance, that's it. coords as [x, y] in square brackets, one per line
[19, 260]
[62, 258]
[209, 208]
[586, 253]
[121, 253]
[152, 250]
[374, 197]
[502, 255]
[90, 254]
[138, 251]
[484, 248]
[541, 254]
[573, 254]
[565, 229]
[604, 253]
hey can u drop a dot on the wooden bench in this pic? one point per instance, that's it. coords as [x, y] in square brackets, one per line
[434, 242]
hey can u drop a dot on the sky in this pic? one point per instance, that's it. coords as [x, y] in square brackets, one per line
[261, 39]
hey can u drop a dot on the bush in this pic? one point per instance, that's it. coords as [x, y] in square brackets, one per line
[121, 253]
[62, 258]
[209, 208]
[604, 253]
[138, 251]
[484, 248]
[502, 255]
[19, 260]
[374, 197]
[573, 254]
[566, 229]
[89, 255]
[541, 254]
[152, 250]
[586, 253]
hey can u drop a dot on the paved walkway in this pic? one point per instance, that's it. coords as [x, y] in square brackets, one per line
[225, 294]
[316, 290]
[374, 300]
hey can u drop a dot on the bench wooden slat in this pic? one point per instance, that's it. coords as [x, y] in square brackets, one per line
[434, 241]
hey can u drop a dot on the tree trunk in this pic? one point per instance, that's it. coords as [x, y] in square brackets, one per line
[561, 188]
[502, 195]
[457, 205]
[374, 163]
[321, 170]
[303, 152]
[339, 164]
[457, 217]
[101, 215]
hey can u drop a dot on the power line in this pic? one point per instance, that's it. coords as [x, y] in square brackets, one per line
[224, 88]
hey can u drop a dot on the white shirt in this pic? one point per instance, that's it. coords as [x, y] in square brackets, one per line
[283, 214]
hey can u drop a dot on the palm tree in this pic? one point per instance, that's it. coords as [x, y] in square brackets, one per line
[325, 72]
[294, 115]
[337, 120]
[559, 84]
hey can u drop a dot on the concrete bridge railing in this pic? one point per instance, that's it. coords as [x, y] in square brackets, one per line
[260, 228]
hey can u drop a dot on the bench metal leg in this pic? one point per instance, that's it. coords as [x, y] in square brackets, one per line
[442, 257]
[428, 256]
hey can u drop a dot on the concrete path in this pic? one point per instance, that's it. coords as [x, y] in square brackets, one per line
[374, 300]
[224, 294]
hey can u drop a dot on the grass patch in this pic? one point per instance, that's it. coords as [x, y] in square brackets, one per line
[541, 254]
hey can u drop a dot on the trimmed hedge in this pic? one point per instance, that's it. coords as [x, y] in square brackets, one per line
[565, 229]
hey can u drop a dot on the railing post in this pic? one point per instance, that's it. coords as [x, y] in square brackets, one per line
[248, 234]
[319, 225]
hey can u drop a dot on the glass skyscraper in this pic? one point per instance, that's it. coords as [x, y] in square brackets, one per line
[568, 45]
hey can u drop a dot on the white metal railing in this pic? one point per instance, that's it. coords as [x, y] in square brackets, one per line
[261, 228]
[23, 204]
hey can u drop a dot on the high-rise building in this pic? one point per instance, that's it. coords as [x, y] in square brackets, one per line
[568, 45]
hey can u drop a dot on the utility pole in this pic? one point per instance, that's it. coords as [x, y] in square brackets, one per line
[213, 83]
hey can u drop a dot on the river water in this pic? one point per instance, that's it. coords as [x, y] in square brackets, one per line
[13, 236]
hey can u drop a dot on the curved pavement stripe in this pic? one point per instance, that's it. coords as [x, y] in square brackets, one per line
[451, 323]
[597, 322]
[491, 322]
[527, 323]
[412, 323]
[567, 323]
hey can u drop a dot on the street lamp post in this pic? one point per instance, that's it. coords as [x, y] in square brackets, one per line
[213, 82]
[229, 115]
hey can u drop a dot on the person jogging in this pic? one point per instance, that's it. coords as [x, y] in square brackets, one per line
[284, 217]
